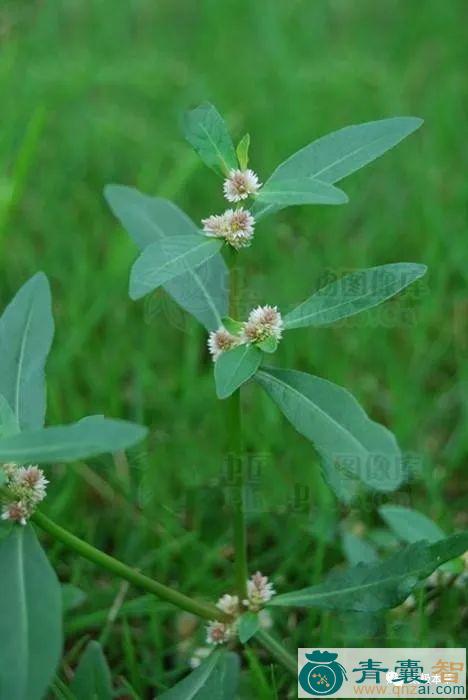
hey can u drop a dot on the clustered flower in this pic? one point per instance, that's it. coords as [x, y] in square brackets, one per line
[221, 340]
[27, 487]
[235, 226]
[263, 323]
[240, 184]
[259, 591]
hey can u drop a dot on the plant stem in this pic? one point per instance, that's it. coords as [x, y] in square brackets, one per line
[236, 456]
[114, 566]
[277, 650]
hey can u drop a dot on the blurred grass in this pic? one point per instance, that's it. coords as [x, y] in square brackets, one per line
[92, 93]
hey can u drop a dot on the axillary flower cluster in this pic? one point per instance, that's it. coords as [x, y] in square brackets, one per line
[264, 327]
[259, 591]
[236, 226]
[26, 487]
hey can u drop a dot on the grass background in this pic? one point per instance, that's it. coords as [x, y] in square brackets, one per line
[92, 93]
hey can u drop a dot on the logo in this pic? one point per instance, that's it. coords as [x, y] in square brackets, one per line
[323, 674]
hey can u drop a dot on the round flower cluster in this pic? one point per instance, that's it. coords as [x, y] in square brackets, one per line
[264, 323]
[259, 591]
[235, 226]
[27, 486]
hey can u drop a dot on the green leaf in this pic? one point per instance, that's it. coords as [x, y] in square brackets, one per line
[333, 420]
[217, 678]
[242, 151]
[235, 367]
[247, 626]
[168, 258]
[66, 443]
[354, 293]
[358, 550]
[26, 332]
[301, 191]
[30, 617]
[8, 421]
[373, 587]
[411, 525]
[268, 345]
[202, 292]
[207, 133]
[92, 679]
[341, 153]
[234, 327]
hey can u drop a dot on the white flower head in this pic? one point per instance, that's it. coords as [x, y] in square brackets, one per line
[219, 341]
[259, 591]
[17, 512]
[31, 482]
[236, 226]
[27, 487]
[229, 604]
[240, 184]
[219, 632]
[263, 322]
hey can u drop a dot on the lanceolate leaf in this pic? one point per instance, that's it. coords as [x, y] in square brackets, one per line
[92, 679]
[332, 419]
[26, 332]
[301, 191]
[373, 587]
[65, 443]
[216, 679]
[411, 525]
[337, 155]
[168, 258]
[234, 367]
[207, 133]
[202, 292]
[353, 293]
[30, 617]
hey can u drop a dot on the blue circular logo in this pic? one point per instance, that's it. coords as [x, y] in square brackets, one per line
[322, 675]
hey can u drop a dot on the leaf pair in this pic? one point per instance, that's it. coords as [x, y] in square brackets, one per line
[377, 586]
[307, 176]
[208, 134]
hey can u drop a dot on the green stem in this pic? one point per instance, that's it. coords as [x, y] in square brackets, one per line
[237, 466]
[277, 651]
[236, 455]
[114, 566]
